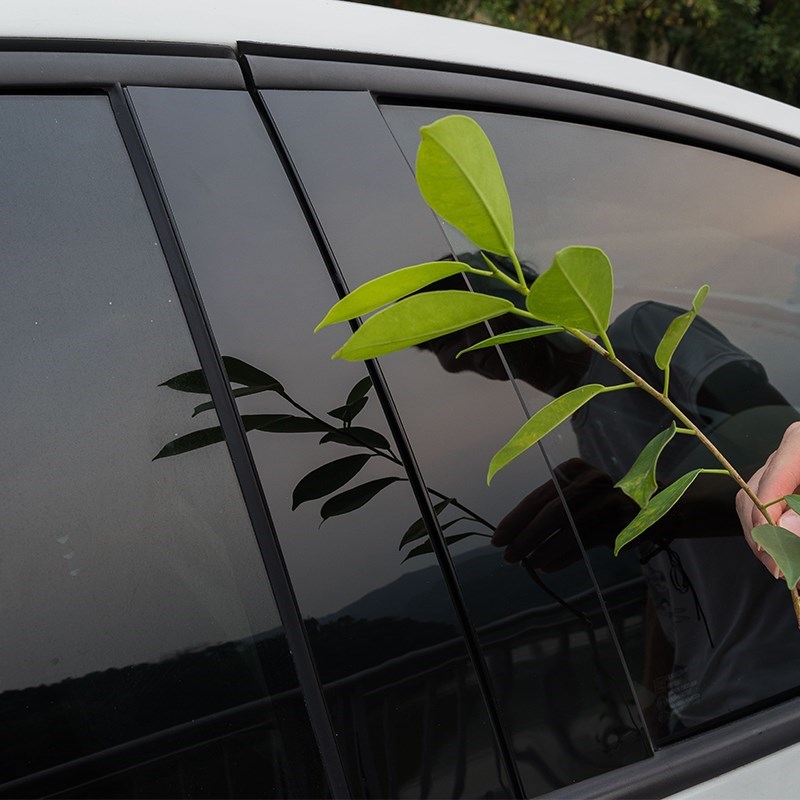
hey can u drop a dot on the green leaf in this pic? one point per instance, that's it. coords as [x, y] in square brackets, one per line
[384, 290]
[240, 392]
[354, 498]
[359, 390]
[328, 478]
[419, 318]
[793, 501]
[241, 372]
[191, 441]
[541, 423]
[677, 330]
[417, 528]
[357, 437]
[655, 509]
[427, 547]
[460, 179]
[513, 336]
[783, 546]
[639, 483]
[283, 423]
[576, 292]
[349, 412]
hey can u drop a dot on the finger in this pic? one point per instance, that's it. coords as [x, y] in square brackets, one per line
[782, 473]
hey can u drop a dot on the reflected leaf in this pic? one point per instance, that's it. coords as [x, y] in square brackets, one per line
[191, 441]
[783, 546]
[427, 547]
[354, 498]
[323, 480]
[419, 318]
[460, 179]
[677, 330]
[655, 509]
[359, 390]
[242, 391]
[238, 372]
[194, 382]
[541, 423]
[283, 423]
[357, 437]
[348, 413]
[417, 528]
[513, 336]
[386, 289]
[241, 372]
[576, 292]
[639, 483]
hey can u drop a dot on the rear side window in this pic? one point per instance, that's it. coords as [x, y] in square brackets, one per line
[136, 617]
[716, 633]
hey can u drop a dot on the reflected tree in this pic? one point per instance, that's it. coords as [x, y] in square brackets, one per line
[331, 480]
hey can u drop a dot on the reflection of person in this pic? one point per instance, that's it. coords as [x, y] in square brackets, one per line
[779, 476]
[726, 622]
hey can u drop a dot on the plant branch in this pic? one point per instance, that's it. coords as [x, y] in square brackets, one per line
[387, 454]
[676, 412]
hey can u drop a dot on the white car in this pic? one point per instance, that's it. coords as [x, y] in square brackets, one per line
[234, 568]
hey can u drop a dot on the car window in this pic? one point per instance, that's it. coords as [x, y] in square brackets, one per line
[137, 621]
[400, 689]
[719, 634]
[555, 671]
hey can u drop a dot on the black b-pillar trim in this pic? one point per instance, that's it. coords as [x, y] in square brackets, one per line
[235, 437]
[473, 647]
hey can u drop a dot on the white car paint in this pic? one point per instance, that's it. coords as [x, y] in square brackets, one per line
[352, 27]
[774, 777]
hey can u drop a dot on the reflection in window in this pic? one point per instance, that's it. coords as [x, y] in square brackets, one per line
[400, 688]
[555, 671]
[134, 599]
[718, 632]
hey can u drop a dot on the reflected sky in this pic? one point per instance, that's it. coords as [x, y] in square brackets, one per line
[108, 558]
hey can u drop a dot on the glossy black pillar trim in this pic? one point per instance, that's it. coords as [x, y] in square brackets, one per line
[409, 463]
[235, 437]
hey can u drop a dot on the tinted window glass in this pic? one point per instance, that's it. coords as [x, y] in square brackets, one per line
[134, 601]
[671, 217]
[556, 672]
[400, 689]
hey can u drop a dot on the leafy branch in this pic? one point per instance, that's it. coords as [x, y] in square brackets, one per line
[460, 178]
[326, 480]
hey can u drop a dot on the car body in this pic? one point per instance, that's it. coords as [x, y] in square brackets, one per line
[234, 568]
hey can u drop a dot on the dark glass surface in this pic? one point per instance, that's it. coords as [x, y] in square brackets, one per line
[555, 671]
[719, 633]
[401, 692]
[134, 600]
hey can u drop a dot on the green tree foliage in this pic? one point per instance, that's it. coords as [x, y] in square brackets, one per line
[748, 43]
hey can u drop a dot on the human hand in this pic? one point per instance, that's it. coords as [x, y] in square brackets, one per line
[539, 531]
[778, 477]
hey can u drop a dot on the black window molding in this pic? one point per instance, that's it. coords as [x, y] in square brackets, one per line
[77, 64]
[395, 80]
[694, 760]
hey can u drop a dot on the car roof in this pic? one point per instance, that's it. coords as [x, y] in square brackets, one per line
[356, 28]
